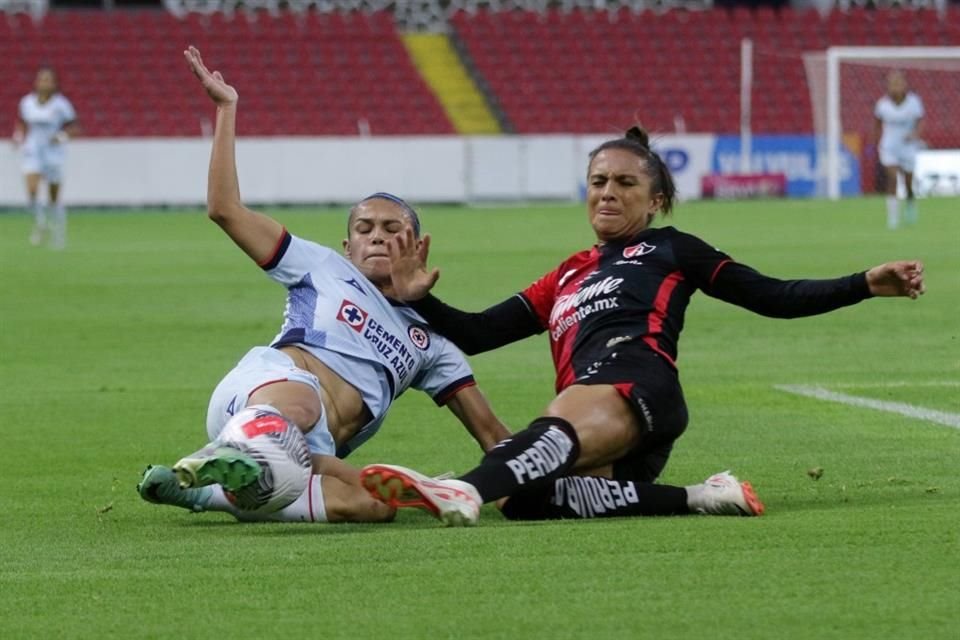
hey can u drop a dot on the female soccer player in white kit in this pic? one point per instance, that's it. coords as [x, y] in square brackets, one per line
[345, 351]
[897, 118]
[46, 121]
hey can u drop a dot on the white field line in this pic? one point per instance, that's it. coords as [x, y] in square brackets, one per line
[896, 384]
[908, 410]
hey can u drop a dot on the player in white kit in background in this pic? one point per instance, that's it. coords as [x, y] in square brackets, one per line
[345, 351]
[45, 122]
[898, 115]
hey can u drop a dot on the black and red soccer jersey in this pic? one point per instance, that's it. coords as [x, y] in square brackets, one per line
[622, 296]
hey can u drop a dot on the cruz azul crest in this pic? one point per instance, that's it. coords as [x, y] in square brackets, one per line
[353, 315]
[419, 336]
[638, 250]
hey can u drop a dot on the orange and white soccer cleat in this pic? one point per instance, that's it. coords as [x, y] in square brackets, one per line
[453, 502]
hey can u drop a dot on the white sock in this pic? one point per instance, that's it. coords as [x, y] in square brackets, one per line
[59, 238]
[910, 211]
[893, 212]
[309, 507]
[39, 213]
[695, 498]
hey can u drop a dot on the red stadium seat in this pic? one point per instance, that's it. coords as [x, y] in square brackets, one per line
[310, 74]
[320, 73]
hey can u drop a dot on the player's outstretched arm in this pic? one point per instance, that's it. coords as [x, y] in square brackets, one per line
[258, 235]
[900, 278]
[472, 409]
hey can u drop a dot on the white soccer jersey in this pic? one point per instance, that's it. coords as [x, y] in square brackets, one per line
[379, 346]
[899, 120]
[45, 120]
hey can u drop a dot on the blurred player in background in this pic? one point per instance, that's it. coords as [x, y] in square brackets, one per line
[45, 122]
[897, 119]
[614, 313]
[345, 351]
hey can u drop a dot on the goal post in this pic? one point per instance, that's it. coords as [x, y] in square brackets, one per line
[934, 72]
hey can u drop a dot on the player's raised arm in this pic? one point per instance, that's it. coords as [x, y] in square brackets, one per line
[258, 235]
[472, 409]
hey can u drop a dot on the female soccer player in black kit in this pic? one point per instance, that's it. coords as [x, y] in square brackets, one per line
[614, 313]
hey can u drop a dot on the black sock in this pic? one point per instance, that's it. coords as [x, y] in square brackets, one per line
[593, 497]
[533, 457]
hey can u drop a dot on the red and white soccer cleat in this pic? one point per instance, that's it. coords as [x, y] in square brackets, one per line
[453, 502]
[723, 495]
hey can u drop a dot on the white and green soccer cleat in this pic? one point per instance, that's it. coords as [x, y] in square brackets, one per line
[160, 485]
[231, 468]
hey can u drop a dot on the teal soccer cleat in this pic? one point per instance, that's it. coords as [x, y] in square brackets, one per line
[160, 485]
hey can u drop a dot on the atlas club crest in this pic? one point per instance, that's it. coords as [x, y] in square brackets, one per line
[638, 250]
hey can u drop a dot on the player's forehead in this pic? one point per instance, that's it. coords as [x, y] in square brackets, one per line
[616, 163]
[377, 210]
[896, 79]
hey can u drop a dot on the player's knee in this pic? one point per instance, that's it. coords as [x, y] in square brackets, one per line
[301, 408]
[304, 416]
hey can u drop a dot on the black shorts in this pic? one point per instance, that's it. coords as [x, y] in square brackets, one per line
[652, 388]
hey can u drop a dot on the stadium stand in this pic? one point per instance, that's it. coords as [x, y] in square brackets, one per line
[312, 73]
[599, 72]
[307, 74]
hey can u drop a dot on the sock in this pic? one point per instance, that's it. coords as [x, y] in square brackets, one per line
[59, 227]
[893, 212]
[695, 499]
[39, 213]
[309, 507]
[910, 211]
[594, 497]
[533, 457]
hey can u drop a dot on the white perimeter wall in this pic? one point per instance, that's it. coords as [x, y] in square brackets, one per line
[171, 171]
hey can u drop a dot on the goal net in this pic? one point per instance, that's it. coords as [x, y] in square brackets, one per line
[845, 83]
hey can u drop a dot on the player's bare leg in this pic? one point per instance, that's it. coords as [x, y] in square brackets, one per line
[296, 401]
[910, 215]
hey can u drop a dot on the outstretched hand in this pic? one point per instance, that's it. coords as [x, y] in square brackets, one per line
[409, 275]
[901, 278]
[218, 90]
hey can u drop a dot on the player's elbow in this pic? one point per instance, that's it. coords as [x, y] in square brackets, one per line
[221, 211]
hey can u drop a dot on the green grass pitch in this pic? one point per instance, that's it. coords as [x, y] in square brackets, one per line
[110, 349]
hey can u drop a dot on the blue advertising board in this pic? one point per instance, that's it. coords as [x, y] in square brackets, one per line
[795, 156]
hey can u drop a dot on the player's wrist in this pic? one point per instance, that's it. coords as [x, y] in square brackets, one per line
[61, 136]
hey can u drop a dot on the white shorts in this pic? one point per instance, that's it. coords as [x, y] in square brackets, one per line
[47, 160]
[902, 155]
[260, 367]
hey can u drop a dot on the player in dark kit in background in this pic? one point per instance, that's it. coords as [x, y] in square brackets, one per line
[614, 313]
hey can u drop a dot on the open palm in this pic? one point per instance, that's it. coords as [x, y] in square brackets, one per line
[218, 90]
[409, 275]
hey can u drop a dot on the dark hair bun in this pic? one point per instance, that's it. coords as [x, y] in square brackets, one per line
[638, 134]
